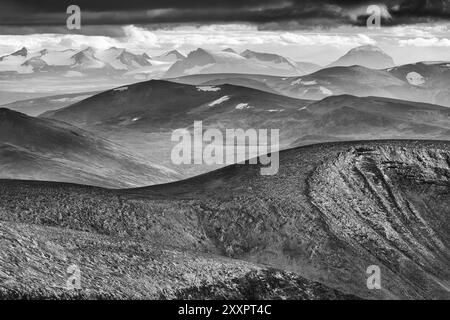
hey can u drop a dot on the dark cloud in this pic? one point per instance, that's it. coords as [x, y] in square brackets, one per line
[51, 13]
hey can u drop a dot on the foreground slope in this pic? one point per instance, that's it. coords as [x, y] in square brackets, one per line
[331, 211]
[122, 268]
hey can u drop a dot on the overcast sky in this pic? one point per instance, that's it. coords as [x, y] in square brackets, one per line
[313, 30]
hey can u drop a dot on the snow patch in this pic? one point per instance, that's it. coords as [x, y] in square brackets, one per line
[241, 106]
[73, 99]
[305, 83]
[121, 89]
[219, 101]
[415, 79]
[325, 91]
[208, 88]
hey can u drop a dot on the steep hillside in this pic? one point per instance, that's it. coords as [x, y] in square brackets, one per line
[330, 212]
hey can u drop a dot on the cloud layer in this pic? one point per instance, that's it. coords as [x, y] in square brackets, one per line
[281, 14]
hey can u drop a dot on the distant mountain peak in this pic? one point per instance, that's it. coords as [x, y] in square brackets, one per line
[131, 60]
[229, 50]
[198, 51]
[369, 56]
[367, 47]
[266, 57]
[22, 52]
[176, 52]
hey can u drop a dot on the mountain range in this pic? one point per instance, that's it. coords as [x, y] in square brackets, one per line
[120, 61]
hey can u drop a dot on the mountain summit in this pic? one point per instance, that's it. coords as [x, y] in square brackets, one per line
[368, 56]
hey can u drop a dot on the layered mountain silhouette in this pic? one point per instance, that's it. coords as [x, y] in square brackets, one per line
[331, 212]
[419, 82]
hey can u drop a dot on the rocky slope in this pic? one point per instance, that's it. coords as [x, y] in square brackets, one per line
[330, 212]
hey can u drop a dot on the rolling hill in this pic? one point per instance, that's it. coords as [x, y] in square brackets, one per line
[331, 211]
[44, 149]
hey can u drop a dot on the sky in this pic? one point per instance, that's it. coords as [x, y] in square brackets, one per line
[316, 31]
